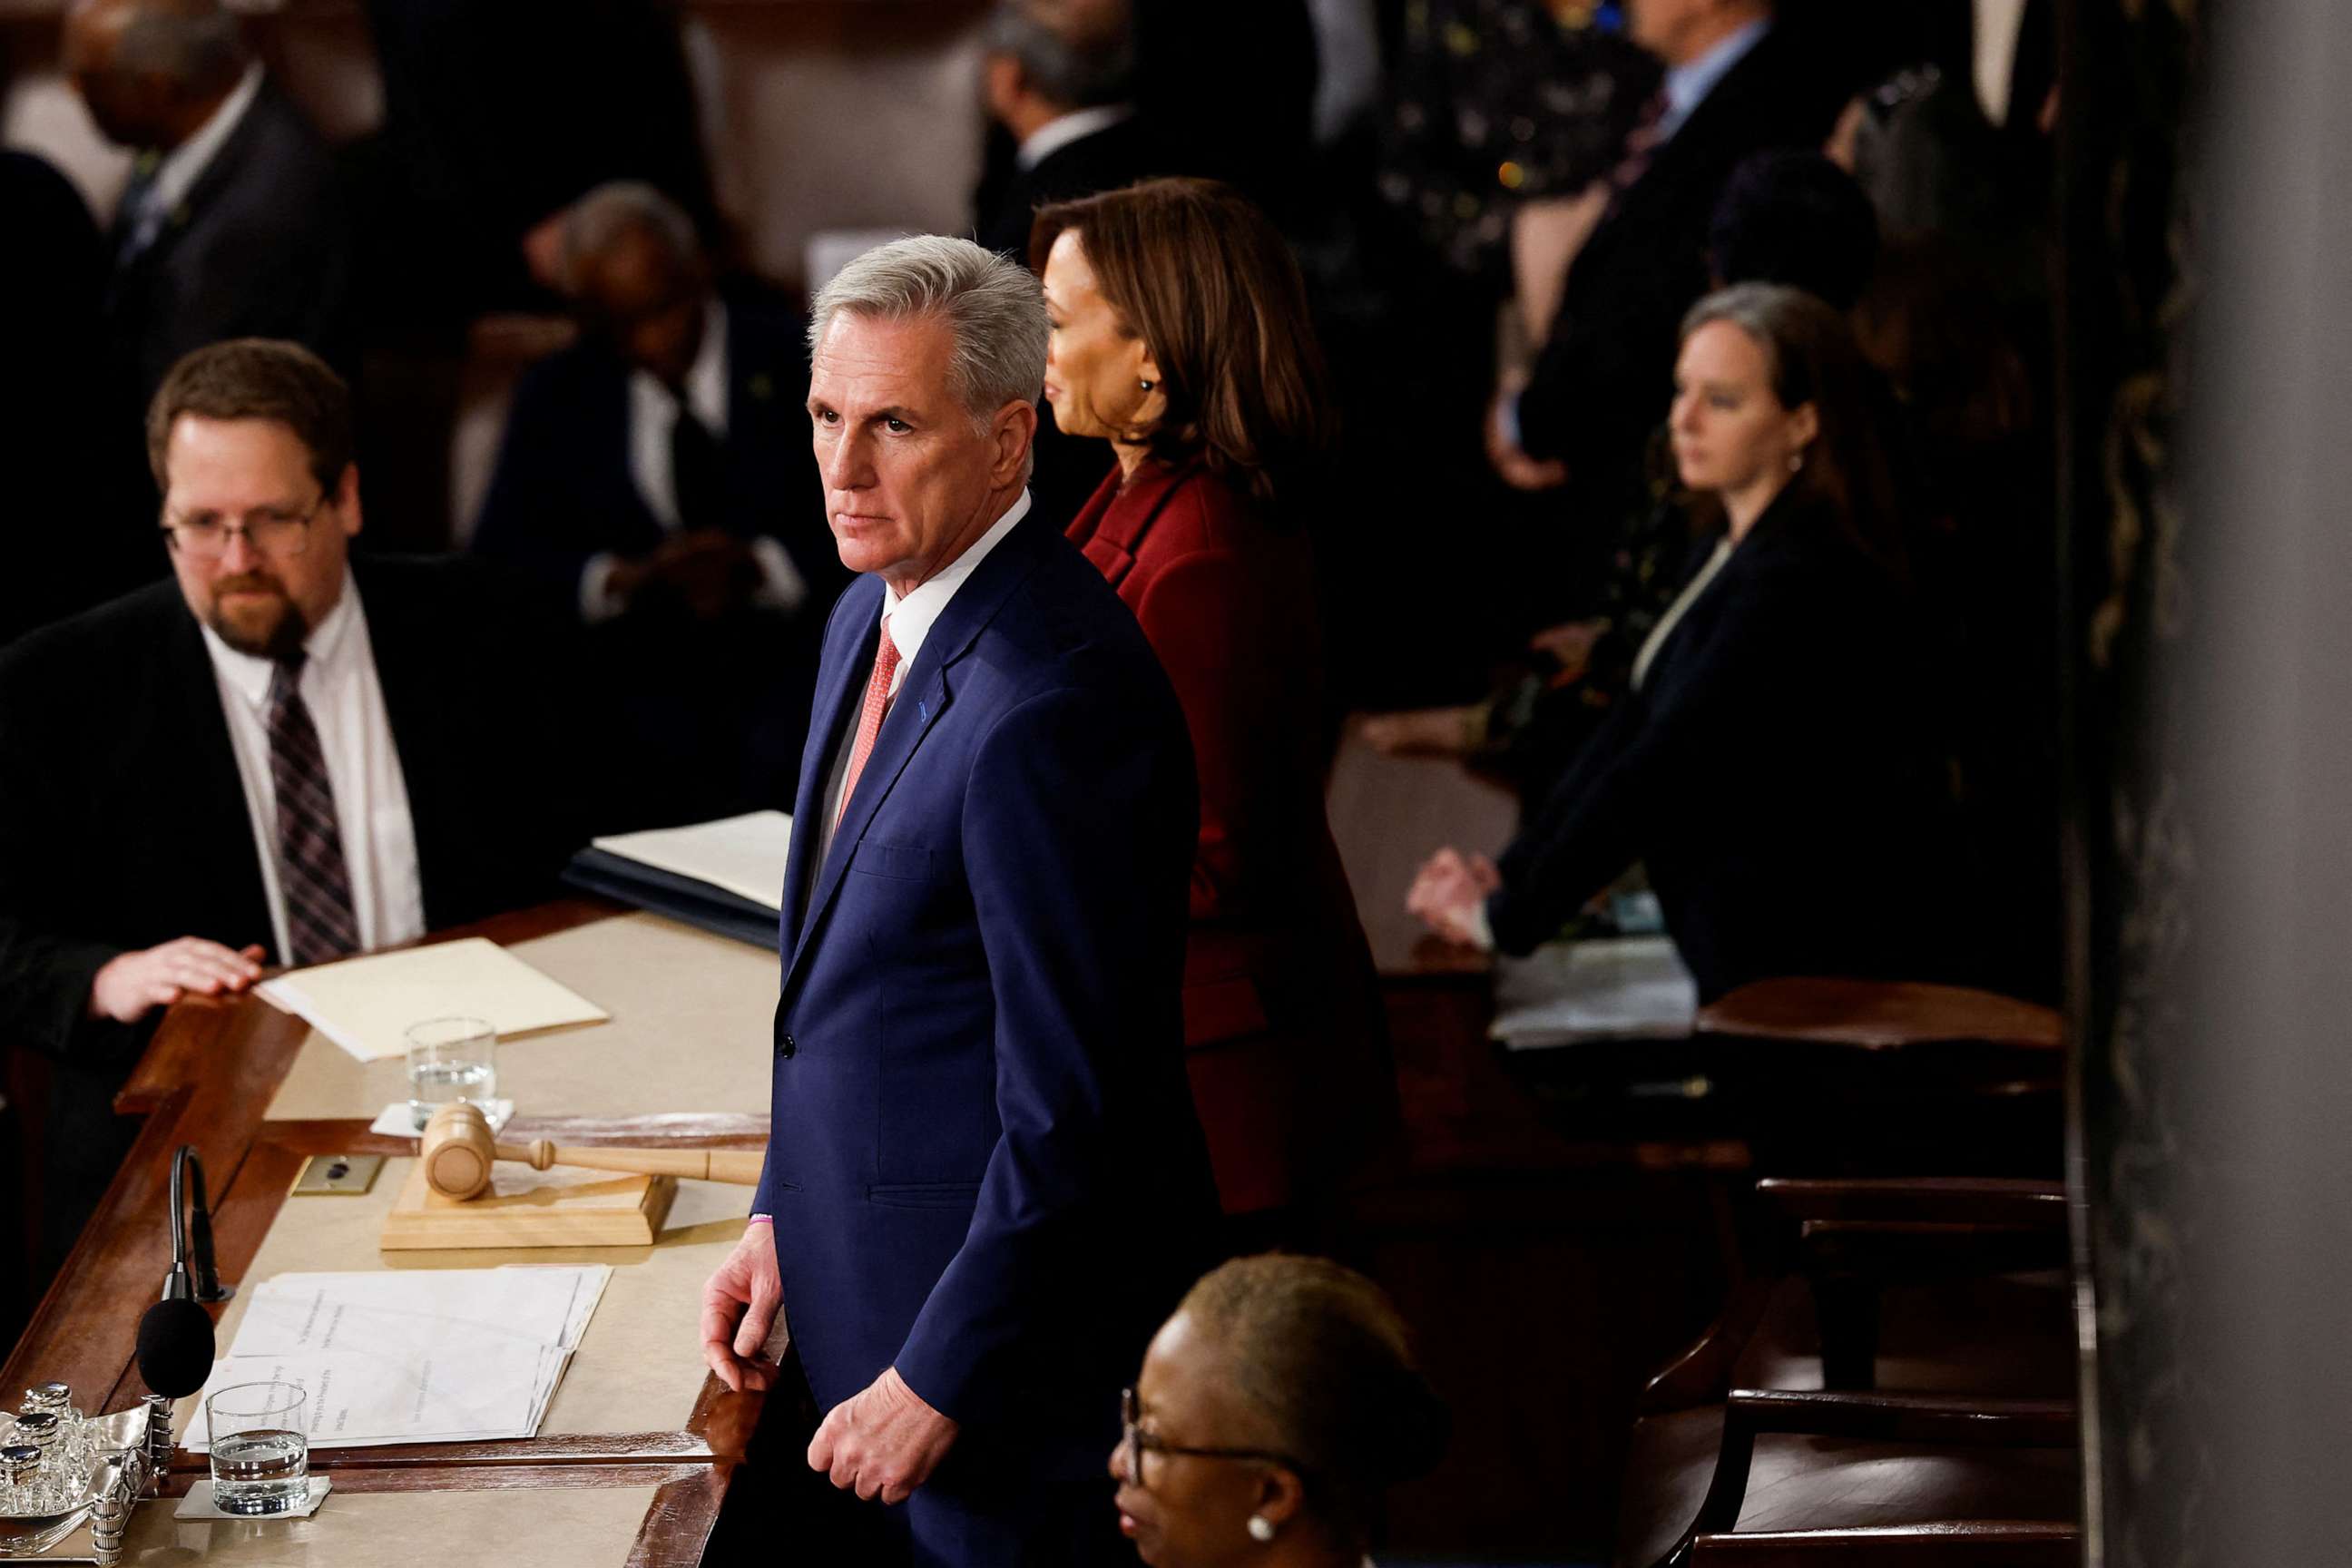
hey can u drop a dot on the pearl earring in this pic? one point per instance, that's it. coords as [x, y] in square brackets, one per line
[1797, 461]
[1145, 385]
[1261, 1529]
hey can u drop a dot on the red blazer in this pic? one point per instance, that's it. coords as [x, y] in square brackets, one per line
[1286, 1036]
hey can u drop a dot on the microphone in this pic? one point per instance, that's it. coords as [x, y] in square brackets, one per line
[175, 1337]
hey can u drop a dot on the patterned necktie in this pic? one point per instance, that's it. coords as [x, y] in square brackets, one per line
[869, 718]
[312, 872]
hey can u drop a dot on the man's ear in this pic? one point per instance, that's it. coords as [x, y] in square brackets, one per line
[1002, 84]
[1016, 429]
[347, 498]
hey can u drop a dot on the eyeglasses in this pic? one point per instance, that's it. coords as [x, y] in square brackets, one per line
[1135, 1442]
[271, 532]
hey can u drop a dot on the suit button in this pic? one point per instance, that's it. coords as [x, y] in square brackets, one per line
[786, 1046]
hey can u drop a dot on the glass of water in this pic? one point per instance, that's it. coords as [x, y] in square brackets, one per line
[260, 1452]
[450, 1059]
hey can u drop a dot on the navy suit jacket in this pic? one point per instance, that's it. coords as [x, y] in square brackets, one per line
[984, 1167]
[562, 490]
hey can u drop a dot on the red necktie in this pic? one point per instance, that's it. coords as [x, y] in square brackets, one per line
[869, 718]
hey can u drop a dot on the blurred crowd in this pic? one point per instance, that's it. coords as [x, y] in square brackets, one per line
[1647, 403]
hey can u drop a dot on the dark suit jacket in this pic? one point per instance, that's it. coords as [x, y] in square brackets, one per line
[1283, 1026]
[562, 489]
[983, 1165]
[1606, 372]
[1118, 154]
[260, 248]
[1780, 775]
[123, 824]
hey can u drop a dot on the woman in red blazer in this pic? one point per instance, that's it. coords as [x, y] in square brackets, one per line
[1181, 335]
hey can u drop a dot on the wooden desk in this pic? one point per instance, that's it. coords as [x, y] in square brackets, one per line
[256, 1093]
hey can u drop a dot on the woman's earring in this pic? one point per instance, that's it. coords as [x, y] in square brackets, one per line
[1797, 461]
[1145, 385]
[1261, 1529]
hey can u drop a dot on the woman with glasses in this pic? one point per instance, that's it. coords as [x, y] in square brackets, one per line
[1274, 1411]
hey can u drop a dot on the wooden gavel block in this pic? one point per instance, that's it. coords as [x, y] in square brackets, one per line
[456, 1149]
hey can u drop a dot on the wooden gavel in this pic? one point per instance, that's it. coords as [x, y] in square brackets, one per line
[456, 1149]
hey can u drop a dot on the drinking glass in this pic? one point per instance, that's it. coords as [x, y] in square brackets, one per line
[260, 1450]
[450, 1059]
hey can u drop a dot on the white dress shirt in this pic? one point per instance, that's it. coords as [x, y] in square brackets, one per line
[653, 416]
[1064, 129]
[909, 621]
[339, 685]
[1687, 85]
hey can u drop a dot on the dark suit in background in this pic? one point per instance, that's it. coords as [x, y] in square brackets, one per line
[1780, 774]
[52, 277]
[705, 718]
[124, 821]
[983, 1167]
[261, 247]
[1606, 372]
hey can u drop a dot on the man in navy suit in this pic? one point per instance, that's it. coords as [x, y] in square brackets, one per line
[983, 1181]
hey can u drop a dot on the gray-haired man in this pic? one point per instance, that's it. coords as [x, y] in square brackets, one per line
[984, 1183]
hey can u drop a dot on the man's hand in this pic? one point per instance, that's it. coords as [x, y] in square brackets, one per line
[1448, 891]
[739, 1309]
[710, 569]
[882, 1443]
[130, 985]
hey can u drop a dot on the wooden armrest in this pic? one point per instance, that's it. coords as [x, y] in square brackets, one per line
[1879, 1014]
[1958, 1543]
[1702, 1373]
[2000, 1201]
[1929, 1420]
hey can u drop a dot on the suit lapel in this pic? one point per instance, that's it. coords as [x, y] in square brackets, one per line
[922, 698]
[841, 679]
[1127, 516]
[194, 732]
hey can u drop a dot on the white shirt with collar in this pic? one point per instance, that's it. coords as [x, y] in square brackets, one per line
[1062, 130]
[178, 174]
[1687, 85]
[653, 416]
[910, 620]
[339, 685]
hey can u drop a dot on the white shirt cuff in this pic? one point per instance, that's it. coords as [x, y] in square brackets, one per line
[782, 586]
[1482, 930]
[598, 600]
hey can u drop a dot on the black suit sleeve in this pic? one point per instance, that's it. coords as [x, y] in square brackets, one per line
[45, 976]
[1680, 746]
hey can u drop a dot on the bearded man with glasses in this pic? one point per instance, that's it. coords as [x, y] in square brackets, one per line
[279, 756]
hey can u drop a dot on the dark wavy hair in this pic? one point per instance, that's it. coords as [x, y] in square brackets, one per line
[1318, 1354]
[1206, 282]
[1810, 356]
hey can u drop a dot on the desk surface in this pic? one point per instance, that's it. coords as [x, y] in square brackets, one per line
[634, 1458]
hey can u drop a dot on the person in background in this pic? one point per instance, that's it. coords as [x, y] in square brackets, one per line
[1181, 338]
[1738, 79]
[1274, 1411]
[1778, 765]
[232, 224]
[281, 754]
[655, 484]
[1785, 216]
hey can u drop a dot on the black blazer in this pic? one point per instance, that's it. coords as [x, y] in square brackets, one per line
[260, 248]
[122, 819]
[1118, 154]
[562, 490]
[1606, 372]
[1779, 772]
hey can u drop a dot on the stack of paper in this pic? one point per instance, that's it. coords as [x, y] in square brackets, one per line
[429, 1356]
[726, 877]
[1570, 992]
[366, 1004]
